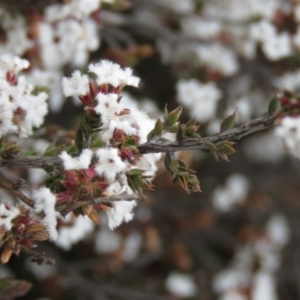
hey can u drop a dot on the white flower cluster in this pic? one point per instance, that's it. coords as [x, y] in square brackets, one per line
[65, 34]
[109, 108]
[44, 202]
[239, 275]
[20, 109]
[201, 99]
[289, 130]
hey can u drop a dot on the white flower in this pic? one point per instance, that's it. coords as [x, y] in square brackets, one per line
[109, 164]
[120, 212]
[217, 58]
[7, 215]
[200, 99]
[181, 285]
[108, 72]
[76, 85]
[107, 106]
[198, 27]
[234, 192]
[44, 201]
[277, 47]
[289, 130]
[20, 110]
[14, 64]
[71, 234]
[107, 241]
[264, 286]
[83, 161]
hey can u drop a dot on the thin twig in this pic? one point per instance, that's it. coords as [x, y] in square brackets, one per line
[65, 208]
[157, 146]
[39, 258]
[14, 189]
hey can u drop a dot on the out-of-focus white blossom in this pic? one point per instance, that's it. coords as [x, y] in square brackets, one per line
[264, 147]
[107, 241]
[44, 202]
[264, 286]
[201, 99]
[217, 58]
[198, 27]
[235, 190]
[181, 285]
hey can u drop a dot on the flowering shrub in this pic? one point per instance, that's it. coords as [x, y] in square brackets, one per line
[64, 185]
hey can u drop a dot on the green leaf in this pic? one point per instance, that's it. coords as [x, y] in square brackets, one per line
[133, 172]
[150, 135]
[173, 116]
[228, 122]
[173, 165]
[158, 127]
[167, 160]
[273, 105]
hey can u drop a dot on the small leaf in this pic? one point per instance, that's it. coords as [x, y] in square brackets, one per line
[273, 105]
[173, 165]
[158, 128]
[150, 135]
[227, 149]
[172, 129]
[133, 172]
[228, 122]
[211, 146]
[173, 116]
[167, 160]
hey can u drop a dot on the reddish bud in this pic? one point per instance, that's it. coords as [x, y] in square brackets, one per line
[11, 78]
[126, 153]
[118, 135]
[93, 89]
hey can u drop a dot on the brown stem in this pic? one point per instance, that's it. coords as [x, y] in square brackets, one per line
[157, 146]
[65, 208]
[39, 258]
[14, 189]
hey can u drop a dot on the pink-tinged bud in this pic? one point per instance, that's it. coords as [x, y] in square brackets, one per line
[19, 229]
[103, 88]
[117, 90]
[63, 197]
[118, 135]
[71, 179]
[284, 100]
[127, 154]
[11, 78]
[90, 172]
[86, 100]
[93, 89]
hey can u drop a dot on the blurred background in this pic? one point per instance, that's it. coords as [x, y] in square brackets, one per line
[237, 240]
